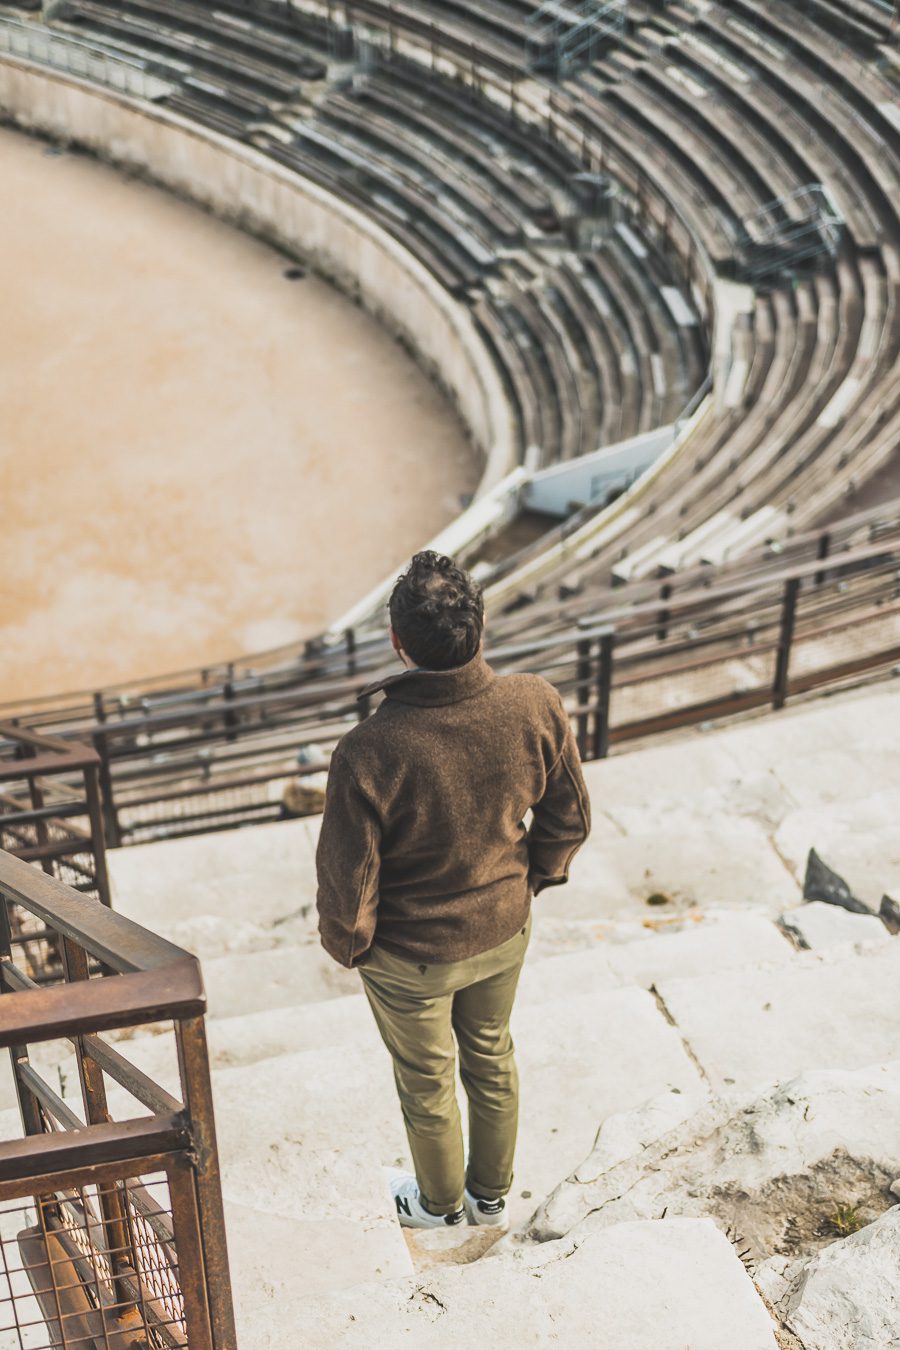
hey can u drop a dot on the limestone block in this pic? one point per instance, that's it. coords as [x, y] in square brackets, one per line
[676, 945]
[826, 749]
[697, 860]
[847, 1295]
[275, 1259]
[8, 1098]
[626, 1134]
[577, 972]
[277, 978]
[660, 1285]
[307, 1134]
[711, 941]
[696, 774]
[862, 838]
[581, 1058]
[755, 1026]
[817, 925]
[258, 875]
[772, 1168]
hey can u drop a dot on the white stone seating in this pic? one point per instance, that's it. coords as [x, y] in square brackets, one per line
[688, 1006]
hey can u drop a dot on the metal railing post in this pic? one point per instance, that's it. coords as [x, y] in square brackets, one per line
[785, 638]
[822, 552]
[665, 592]
[193, 1062]
[189, 1245]
[600, 745]
[583, 693]
[18, 1054]
[112, 836]
[98, 837]
[231, 717]
[96, 1112]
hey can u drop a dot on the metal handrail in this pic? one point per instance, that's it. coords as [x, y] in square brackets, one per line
[138, 978]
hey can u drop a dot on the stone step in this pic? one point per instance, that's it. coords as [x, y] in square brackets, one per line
[775, 1168]
[608, 955]
[303, 1001]
[227, 891]
[332, 1120]
[653, 1285]
[830, 1010]
[303, 1136]
[719, 819]
[580, 1057]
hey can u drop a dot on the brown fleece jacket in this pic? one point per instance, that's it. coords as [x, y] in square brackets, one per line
[423, 846]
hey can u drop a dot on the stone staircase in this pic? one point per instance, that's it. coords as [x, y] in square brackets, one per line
[648, 1019]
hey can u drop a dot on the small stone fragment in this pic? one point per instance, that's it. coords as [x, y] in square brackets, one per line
[822, 883]
[889, 912]
[816, 926]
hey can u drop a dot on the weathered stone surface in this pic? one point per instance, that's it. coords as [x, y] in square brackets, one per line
[859, 835]
[579, 1059]
[8, 1098]
[645, 1286]
[697, 859]
[260, 875]
[823, 883]
[847, 1296]
[755, 1026]
[621, 954]
[720, 823]
[817, 925]
[275, 1257]
[625, 1135]
[277, 978]
[10, 1123]
[774, 1169]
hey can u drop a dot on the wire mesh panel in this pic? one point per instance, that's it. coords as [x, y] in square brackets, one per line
[111, 1223]
[70, 1278]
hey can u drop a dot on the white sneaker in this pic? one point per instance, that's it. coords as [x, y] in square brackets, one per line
[410, 1211]
[492, 1212]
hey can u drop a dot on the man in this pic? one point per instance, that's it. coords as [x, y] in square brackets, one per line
[426, 873]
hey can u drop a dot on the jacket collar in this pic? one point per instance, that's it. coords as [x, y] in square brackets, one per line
[425, 687]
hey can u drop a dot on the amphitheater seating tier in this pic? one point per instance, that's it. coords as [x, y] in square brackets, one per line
[703, 114]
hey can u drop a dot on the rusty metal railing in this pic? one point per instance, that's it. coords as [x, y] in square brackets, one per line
[50, 807]
[111, 1223]
[638, 660]
[50, 815]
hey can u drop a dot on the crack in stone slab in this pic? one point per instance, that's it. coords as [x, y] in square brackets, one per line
[688, 1048]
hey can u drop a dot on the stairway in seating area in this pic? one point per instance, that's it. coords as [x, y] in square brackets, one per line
[659, 979]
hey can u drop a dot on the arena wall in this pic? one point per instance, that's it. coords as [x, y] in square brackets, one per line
[246, 188]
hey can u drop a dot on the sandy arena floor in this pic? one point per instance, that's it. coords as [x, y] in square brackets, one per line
[198, 456]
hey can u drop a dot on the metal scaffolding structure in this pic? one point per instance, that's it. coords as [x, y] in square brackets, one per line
[791, 230]
[562, 35]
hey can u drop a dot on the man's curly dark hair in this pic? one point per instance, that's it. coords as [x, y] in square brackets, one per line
[437, 612]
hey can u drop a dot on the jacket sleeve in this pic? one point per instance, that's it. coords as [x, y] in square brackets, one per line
[561, 820]
[347, 866]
